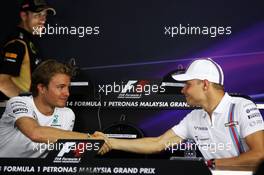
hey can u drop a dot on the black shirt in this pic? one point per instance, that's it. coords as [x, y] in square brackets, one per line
[19, 57]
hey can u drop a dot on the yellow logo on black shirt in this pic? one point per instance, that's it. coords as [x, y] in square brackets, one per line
[32, 47]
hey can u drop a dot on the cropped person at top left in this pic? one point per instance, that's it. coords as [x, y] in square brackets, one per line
[20, 53]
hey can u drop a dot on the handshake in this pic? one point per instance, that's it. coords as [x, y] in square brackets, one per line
[145, 145]
[107, 144]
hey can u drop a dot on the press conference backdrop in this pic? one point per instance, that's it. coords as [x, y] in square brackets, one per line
[139, 42]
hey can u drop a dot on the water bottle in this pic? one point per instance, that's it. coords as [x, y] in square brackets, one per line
[190, 150]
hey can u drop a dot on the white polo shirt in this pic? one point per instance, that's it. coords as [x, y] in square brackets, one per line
[13, 143]
[233, 119]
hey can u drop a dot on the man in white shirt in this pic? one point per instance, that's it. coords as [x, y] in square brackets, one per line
[30, 122]
[228, 130]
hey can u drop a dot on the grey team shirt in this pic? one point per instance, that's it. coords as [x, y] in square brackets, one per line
[13, 143]
[215, 138]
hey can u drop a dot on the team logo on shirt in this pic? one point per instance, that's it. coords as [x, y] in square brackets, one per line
[37, 61]
[201, 128]
[21, 35]
[55, 121]
[32, 47]
[232, 123]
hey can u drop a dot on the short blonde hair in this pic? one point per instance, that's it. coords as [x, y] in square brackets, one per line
[45, 71]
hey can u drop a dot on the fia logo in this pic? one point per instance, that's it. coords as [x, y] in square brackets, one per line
[66, 148]
[65, 154]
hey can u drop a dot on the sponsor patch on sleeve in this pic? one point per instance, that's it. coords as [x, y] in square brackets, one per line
[254, 115]
[10, 55]
[250, 109]
[19, 107]
[20, 110]
[256, 122]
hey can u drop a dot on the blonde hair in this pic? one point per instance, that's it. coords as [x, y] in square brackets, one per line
[45, 71]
